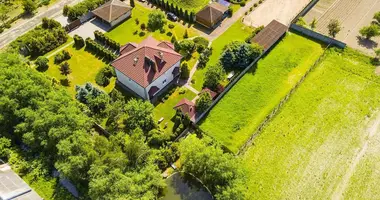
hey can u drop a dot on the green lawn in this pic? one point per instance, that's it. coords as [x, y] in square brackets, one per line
[238, 31]
[126, 32]
[310, 150]
[233, 120]
[165, 109]
[84, 67]
[190, 5]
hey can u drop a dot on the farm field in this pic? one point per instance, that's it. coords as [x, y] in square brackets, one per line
[233, 120]
[84, 67]
[352, 14]
[237, 32]
[129, 31]
[324, 143]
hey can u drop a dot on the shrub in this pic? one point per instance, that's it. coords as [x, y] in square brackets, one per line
[171, 26]
[42, 63]
[204, 57]
[201, 43]
[239, 54]
[65, 10]
[182, 90]
[370, 31]
[162, 31]
[66, 55]
[213, 76]
[254, 5]
[203, 102]
[230, 11]
[186, 34]
[185, 71]
[142, 33]
[79, 42]
[242, 4]
[29, 6]
[186, 47]
[143, 26]
[65, 68]
[261, 1]
[156, 20]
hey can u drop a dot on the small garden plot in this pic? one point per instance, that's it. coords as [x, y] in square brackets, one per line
[165, 108]
[233, 120]
[135, 29]
[310, 150]
[83, 65]
[237, 32]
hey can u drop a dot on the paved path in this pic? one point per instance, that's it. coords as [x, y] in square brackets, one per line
[191, 88]
[14, 32]
[60, 49]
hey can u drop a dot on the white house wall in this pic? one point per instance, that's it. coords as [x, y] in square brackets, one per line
[132, 85]
[168, 75]
[120, 19]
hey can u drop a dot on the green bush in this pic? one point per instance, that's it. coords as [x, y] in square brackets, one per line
[42, 63]
[79, 42]
[104, 75]
[171, 26]
[201, 43]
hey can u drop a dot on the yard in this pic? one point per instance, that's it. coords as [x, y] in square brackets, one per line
[165, 109]
[238, 31]
[129, 31]
[233, 120]
[324, 143]
[84, 67]
[191, 5]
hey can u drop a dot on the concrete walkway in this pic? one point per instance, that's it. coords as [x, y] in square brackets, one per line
[191, 88]
[14, 32]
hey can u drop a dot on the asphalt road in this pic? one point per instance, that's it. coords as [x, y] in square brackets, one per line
[11, 34]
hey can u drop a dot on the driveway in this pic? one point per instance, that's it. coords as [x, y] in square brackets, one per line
[88, 28]
[14, 32]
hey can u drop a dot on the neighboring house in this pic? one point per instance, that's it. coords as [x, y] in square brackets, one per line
[187, 107]
[13, 187]
[147, 68]
[113, 12]
[211, 15]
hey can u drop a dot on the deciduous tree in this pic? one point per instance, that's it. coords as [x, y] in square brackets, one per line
[334, 27]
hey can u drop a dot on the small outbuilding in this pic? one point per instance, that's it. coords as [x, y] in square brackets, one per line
[187, 107]
[270, 34]
[211, 15]
[212, 93]
[113, 12]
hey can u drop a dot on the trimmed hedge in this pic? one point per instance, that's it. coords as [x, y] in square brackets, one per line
[106, 41]
[99, 50]
[104, 75]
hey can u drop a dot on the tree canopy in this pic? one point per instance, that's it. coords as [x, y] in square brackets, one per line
[239, 54]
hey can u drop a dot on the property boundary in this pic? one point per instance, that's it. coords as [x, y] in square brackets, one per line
[317, 36]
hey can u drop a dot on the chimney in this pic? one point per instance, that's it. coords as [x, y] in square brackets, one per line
[135, 60]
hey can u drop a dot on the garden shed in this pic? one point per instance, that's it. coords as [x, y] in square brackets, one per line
[113, 12]
[211, 15]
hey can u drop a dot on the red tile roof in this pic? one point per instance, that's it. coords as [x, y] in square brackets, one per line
[186, 107]
[147, 61]
[128, 47]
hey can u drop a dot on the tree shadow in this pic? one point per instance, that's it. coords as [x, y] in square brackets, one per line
[369, 44]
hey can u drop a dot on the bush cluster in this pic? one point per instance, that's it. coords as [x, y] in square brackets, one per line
[201, 43]
[104, 75]
[79, 41]
[76, 11]
[184, 14]
[106, 41]
[42, 39]
[42, 63]
[99, 50]
[61, 56]
[253, 34]
[204, 57]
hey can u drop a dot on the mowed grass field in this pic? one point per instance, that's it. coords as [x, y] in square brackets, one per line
[190, 5]
[324, 143]
[234, 119]
[129, 31]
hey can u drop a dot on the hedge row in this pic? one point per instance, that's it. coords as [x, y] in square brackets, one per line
[99, 50]
[184, 14]
[76, 11]
[106, 41]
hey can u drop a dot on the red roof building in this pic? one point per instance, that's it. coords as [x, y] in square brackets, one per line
[148, 67]
[186, 107]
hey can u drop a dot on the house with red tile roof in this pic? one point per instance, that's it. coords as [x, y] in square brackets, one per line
[147, 68]
[187, 107]
[212, 93]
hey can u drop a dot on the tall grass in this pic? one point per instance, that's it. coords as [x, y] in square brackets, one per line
[238, 114]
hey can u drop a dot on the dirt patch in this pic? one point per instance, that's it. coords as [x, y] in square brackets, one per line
[283, 11]
[352, 14]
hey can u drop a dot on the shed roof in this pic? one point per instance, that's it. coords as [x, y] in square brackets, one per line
[270, 34]
[112, 10]
[187, 107]
[212, 12]
[13, 187]
[212, 93]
